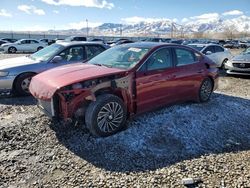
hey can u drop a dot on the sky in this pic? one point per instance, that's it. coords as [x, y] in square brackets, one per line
[33, 15]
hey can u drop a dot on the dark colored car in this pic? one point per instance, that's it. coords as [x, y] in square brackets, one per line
[9, 40]
[123, 81]
[3, 42]
[75, 38]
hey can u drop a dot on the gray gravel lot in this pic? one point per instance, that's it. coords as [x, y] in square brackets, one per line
[158, 149]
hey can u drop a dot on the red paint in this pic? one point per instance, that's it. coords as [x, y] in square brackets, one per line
[145, 91]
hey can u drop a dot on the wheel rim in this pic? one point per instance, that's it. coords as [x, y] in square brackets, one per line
[110, 117]
[206, 90]
[12, 50]
[25, 84]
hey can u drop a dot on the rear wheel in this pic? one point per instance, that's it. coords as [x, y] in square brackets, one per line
[106, 116]
[12, 50]
[206, 90]
[21, 85]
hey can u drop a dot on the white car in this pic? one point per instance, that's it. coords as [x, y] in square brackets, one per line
[23, 45]
[215, 52]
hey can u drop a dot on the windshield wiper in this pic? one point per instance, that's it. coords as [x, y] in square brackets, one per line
[109, 66]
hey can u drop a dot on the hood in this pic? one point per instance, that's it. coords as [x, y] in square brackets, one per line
[6, 44]
[242, 57]
[15, 62]
[44, 85]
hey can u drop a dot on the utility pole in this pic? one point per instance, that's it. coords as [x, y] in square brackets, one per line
[172, 30]
[87, 27]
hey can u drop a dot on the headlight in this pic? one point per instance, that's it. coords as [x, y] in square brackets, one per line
[2, 73]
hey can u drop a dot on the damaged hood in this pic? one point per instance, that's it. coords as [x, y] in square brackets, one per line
[44, 85]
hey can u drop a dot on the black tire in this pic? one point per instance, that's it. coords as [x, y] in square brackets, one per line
[205, 90]
[109, 123]
[12, 50]
[19, 84]
[39, 48]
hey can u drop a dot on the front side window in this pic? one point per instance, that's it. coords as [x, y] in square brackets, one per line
[93, 50]
[75, 53]
[209, 49]
[184, 57]
[159, 60]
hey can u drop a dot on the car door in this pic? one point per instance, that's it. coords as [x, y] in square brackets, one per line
[189, 73]
[33, 46]
[209, 51]
[23, 46]
[154, 83]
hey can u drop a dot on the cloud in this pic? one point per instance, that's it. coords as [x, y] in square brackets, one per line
[85, 3]
[31, 9]
[82, 24]
[233, 13]
[56, 11]
[136, 20]
[4, 13]
[206, 16]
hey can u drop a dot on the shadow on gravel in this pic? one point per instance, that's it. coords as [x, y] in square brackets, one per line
[167, 136]
[26, 101]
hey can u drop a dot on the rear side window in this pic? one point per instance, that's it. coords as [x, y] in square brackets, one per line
[218, 49]
[184, 57]
[93, 50]
[33, 42]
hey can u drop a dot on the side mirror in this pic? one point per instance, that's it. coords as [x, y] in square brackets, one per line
[208, 53]
[57, 59]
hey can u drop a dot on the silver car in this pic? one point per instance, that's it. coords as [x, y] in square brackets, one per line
[23, 45]
[215, 52]
[16, 73]
[240, 64]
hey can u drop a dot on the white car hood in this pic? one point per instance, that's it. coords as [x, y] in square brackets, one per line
[15, 62]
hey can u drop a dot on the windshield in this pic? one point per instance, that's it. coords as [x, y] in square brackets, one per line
[246, 51]
[46, 53]
[196, 47]
[122, 57]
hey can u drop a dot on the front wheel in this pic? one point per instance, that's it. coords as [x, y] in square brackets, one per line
[21, 85]
[223, 64]
[106, 116]
[39, 48]
[206, 90]
[12, 50]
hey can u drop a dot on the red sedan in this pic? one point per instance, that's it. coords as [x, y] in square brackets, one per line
[123, 81]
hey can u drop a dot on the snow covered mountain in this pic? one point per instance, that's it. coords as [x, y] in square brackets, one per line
[218, 24]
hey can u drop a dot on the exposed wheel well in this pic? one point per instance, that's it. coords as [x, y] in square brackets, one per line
[109, 91]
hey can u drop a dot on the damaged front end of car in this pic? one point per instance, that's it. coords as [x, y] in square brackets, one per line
[70, 102]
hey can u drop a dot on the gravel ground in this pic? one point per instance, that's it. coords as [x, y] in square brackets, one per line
[157, 149]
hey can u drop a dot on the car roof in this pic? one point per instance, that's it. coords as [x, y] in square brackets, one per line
[204, 44]
[70, 43]
[149, 44]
